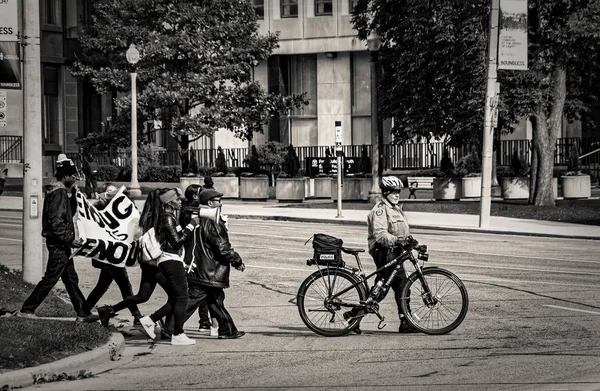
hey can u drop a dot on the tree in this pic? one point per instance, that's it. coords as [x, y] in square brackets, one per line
[195, 69]
[272, 154]
[221, 163]
[434, 60]
[562, 80]
[291, 163]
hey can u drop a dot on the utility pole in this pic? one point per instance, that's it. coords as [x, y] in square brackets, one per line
[491, 101]
[32, 143]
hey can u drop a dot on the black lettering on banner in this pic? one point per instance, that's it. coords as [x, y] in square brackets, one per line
[87, 247]
[133, 251]
[109, 220]
[118, 213]
[108, 251]
[95, 215]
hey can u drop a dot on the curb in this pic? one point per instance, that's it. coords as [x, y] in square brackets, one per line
[416, 226]
[111, 351]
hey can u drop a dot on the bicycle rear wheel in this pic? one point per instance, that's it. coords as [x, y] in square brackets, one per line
[324, 314]
[442, 309]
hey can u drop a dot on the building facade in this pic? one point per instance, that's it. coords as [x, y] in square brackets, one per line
[319, 54]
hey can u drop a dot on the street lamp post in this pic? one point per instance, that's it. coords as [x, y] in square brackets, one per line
[133, 56]
[374, 44]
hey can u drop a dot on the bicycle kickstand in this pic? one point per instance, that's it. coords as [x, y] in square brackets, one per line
[381, 324]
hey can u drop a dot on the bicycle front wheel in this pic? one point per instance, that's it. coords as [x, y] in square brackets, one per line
[321, 310]
[438, 308]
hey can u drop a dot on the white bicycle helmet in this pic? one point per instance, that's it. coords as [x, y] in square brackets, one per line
[391, 184]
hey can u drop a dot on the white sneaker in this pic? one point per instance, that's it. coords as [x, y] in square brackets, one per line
[182, 339]
[148, 326]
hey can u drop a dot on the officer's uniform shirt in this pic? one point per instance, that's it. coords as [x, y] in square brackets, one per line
[386, 224]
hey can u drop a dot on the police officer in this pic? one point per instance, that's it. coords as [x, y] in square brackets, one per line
[388, 228]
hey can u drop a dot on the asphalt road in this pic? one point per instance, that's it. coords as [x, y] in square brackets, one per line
[533, 321]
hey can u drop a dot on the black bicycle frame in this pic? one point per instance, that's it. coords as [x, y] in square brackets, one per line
[397, 262]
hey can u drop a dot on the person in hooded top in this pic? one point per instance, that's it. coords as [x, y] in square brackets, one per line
[59, 231]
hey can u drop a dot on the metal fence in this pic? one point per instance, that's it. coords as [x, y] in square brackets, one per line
[406, 156]
[11, 149]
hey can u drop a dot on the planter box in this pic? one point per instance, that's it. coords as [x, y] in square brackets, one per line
[471, 187]
[252, 188]
[447, 188]
[185, 181]
[228, 185]
[515, 188]
[290, 189]
[323, 187]
[353, 189]
[576, 186]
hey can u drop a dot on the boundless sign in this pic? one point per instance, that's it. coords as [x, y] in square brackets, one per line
[512, 42]
[8, 20]
[108, 235]
[10, 66]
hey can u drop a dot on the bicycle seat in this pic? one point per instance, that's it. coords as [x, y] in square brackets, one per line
[353, 251]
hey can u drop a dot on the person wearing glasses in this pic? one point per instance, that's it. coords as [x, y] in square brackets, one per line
[210, 265]
[387, 228]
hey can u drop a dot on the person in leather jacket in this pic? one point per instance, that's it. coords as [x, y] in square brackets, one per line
[59, 231]
[210, 265]
[172, 267]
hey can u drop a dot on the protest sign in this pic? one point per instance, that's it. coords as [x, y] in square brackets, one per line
[108, 235]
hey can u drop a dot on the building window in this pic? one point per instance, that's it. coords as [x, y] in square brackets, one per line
[52, 12]
[289, 8]
[51, 105]
[303, 79]
[352, 4]
[323, 7]
[259, 8]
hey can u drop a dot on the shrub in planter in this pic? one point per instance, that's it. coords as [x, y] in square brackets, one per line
[221, 163]
[469, 168]
[291, 163]
[365, 163]
[514, 184]
[327, 163]
[108, 173]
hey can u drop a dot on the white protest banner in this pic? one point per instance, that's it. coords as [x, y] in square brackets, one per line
[9, 20]
[109, 235]
[512, 42]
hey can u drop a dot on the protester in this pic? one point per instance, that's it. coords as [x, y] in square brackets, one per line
[211, 263]
[172, 267]
[151, 274]
[58, 229]
[90, 170]
[185, 216]
[3, 175]
[109, 272]
[388, 228]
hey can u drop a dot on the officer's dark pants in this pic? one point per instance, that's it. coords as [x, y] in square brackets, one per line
[381, 256]
[196, 300]
[60, 266]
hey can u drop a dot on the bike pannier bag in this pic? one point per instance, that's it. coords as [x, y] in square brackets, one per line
[327, 249]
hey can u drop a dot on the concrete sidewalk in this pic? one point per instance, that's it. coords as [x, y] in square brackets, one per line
[441, 221]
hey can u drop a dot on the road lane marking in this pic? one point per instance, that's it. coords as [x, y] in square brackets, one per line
[572, 309]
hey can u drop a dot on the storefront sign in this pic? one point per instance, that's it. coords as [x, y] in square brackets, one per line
[8, 20]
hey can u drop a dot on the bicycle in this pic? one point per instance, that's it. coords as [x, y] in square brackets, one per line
[434, 300]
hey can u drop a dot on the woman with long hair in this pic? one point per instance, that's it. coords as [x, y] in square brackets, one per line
[171, 264]
[151, 274]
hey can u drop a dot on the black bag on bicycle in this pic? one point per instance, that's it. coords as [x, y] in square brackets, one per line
[327, 250]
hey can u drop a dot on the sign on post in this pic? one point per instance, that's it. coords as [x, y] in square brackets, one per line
[10, 65]
[338, 138]
[512, 45]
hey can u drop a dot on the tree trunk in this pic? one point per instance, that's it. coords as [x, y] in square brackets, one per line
[533, 172]
[184, 146]
[546, 130]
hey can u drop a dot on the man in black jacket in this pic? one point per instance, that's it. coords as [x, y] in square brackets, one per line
[58, 229]
[211, 263]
